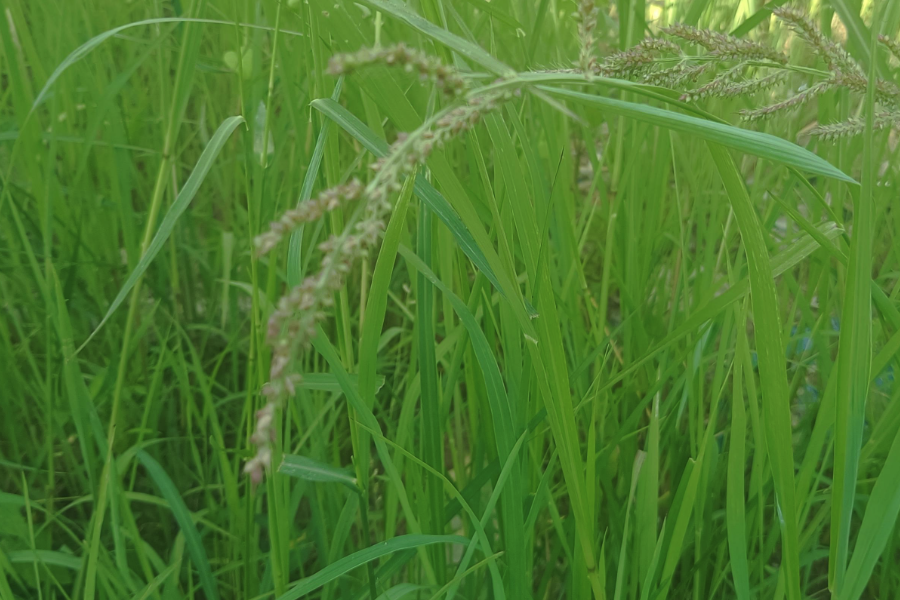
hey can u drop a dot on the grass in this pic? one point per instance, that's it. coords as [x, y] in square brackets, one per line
[612, 341]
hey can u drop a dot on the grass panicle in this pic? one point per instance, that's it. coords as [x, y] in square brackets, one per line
[487, 300]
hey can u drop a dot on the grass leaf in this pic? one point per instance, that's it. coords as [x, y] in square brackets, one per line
[187, 193]
[357, 559]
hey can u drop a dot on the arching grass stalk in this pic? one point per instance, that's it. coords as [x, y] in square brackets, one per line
[293, 323]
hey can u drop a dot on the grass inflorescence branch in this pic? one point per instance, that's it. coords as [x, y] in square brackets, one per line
[292, 325]
[446, 78]
[731, 67]
[587, 23]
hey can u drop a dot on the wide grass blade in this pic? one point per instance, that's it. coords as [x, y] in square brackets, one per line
[747, 141]
[772, 371]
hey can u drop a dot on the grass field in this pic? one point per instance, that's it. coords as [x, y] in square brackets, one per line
[449, 299]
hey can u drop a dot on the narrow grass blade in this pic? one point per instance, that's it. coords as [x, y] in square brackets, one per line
[432, 447]
[623, 551]
[89, 46]
[735, 505]
[321, 343]
[183, 517]
[295, 246]
[464, 47]
[877, 526]
[854, 361]
[187, 193]
[327, 382]
[308, 469]
[47, 557]
[423, 190]
[357, 559]
[501, 411]
[158, 581]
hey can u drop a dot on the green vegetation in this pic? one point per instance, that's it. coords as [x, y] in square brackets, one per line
[449, 299]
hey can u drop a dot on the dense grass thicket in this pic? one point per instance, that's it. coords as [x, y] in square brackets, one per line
[446, 299]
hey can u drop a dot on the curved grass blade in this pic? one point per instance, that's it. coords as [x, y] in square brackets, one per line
[303, 467]
[735, 509]
[756, 18]
[48, 557]
[460, 502]
[854, 361]
[295, 246]
[780, 263]
[322, 344]
[429, 398]
[498, 400]
[623, 551]
[750, 142]
[423, 190]
[185, 523]
[158, 581]
[877, 526]
[464, 47]
[187, 193]
[772, 371]
[362, 557]
[89, 46]
[488, 511]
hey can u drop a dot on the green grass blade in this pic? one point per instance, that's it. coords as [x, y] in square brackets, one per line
[467, 49]
[295, 245]
[47, 557]
[854, 361]
[89, 46]
[877, 526]
[362, 557]
[735, 504]
[751, 142]
[157, 581]
[498, 400]
[183, 517]
[308, 469]
[423, 190]
[623, 550]
[187, 193]
[772, 372]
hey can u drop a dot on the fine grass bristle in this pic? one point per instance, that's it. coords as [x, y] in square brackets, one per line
[452, 300]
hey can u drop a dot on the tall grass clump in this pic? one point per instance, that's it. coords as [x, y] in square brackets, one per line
[562, 299]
